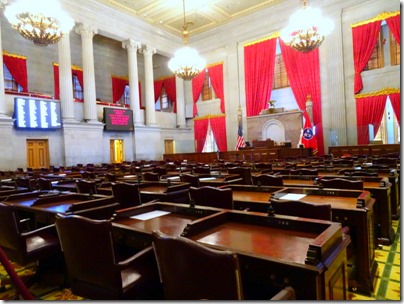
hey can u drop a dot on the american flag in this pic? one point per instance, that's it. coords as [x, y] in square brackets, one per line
[240, 137]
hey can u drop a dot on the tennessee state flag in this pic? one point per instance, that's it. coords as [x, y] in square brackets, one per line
[307, 136]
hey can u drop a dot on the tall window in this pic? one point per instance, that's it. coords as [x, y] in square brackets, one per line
[125, 99]
[210, 143]
[164, 103]
[9, 81]
[77, 89]
[395, 51]
[280, 77]
[389, 131]
[376, 60]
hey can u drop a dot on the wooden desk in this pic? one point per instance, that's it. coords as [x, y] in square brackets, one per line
[8, 190]
[43, 206]
[310, 255]
[352, 208]
[380, 189]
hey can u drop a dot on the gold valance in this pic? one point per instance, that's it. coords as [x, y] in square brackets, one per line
[209, 116]
[382, 16]
[14, 55]
[385, 91]
[274, 35]
[120, 77]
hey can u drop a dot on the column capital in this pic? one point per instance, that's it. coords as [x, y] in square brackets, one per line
[86, 30]
[148, 50]
[131, 44]
[3, 3]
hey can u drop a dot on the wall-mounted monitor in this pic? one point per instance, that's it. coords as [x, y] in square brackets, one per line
[32, 113]
[118, 119]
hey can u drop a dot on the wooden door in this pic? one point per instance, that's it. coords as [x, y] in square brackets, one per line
[168, 146]
[116, 150]
[37, 153]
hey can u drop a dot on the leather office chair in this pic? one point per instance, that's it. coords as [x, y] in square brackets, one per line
[213, 197]
[127, 195]
[110, 177]
[151, 176]
[25, 246]
[341, 183]
[22, 182]
[267, 180]
[193, 180]
[201, 169]
[304, 172]
[86, 186]
[44, 184]
[245, 174]
[97, 270]
[201, 273]
[302, 209]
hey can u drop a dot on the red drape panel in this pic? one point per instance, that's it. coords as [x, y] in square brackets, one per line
[197, 85]
[395, 102]
[218, 125]
[394, 24]
[200, 130]
[169, 85]
[17, 65]
[118, 88]
[364, 41]
[216, 76]
[369, 111]
[158, 84]
[56, 81]
[303, 70]
[259, 64]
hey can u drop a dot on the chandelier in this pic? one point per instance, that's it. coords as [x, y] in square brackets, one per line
[186, 63]
[41, 21]
[306, 30]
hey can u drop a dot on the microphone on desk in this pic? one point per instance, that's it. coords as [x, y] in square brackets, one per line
[271, 211]
[192, 203]
[259, 185]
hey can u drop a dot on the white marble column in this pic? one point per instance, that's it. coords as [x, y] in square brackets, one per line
[132, 47]
[179, 87]
[65, 78]
[148, 53]
[90, 106]
[2, 93]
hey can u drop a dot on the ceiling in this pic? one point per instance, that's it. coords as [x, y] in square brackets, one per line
[201, 15]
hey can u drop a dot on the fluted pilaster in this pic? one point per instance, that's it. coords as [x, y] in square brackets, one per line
[90, 109]
[132, 48]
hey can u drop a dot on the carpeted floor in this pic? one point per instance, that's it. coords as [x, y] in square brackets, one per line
[388, 283]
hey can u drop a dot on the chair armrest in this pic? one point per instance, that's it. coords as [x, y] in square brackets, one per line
[50, 228]
[140, 258]
[288, 293]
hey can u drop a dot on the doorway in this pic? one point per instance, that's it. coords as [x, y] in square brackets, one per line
[37, 153]
[116, 150]
[168, 146]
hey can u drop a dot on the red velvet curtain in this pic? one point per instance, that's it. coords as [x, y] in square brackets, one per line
[394, 24]
[216, 76]
[364, 41]
[200, 131]
[259, 65]
[118, 87]
[369, 111]
[303, 70]
[17, 65]
[169, 85]
[158, 84]
[56, 81]
[395, 102]
[197, 85]
[218, 125]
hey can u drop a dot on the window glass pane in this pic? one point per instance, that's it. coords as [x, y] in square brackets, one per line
[9, 81]
[77, 90]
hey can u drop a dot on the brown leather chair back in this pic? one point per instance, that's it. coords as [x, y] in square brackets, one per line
[44, 184]
[213, 197]
[110, 177]
[193, 180]
[268, 180]
[127, 195]
[10, 236]
[86, 186]
[245, 174]
[304, 172]
[341, 183]
[151, 176]
[94, 266]
[191, 271]
[302, 209]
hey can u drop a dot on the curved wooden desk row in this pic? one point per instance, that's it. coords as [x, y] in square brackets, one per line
[309, 255]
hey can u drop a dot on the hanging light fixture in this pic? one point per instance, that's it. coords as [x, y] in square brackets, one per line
[307, 29]
[186, 63]
[41, 21]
